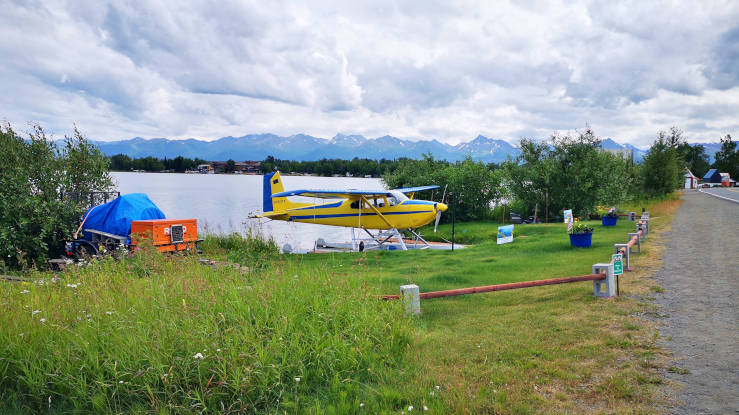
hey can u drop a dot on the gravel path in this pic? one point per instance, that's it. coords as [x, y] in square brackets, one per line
[701, 303]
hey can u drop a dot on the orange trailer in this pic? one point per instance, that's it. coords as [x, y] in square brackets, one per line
[168, 235]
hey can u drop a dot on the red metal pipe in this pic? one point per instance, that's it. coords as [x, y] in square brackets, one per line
[503, 287]
[632, 241]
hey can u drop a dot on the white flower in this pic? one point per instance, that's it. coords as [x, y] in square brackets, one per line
[72, 285]
[25, 292]
[410, 408]
[218, 350]
[109, 312]
[431, 393]
[198, 356]
[361, 404]
[437, 387]
[120, 381]
[297, 379]
[35, 312]
[425, 408]
[43, 320]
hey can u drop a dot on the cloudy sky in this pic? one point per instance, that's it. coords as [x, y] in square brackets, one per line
[412, 69]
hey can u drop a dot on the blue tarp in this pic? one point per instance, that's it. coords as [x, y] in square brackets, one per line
[115, 217]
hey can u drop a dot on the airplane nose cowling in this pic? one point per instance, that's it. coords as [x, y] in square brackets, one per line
[441, 207]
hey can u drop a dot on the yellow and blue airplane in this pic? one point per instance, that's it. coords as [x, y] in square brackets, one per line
[386, 211]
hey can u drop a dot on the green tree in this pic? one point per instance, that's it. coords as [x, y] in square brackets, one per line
[727, 159]
[695, 157]
[36, 175]
[575, 171]
[230, 166]
[662, 168]
[120, 162]
[474, 186]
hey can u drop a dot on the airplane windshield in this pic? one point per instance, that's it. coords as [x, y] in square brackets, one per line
[397, 197]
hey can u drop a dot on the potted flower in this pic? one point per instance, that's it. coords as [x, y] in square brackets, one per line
[610, 218]
[597, 215]
[581, 235]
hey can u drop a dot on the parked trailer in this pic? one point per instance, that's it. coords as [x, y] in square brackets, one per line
[125, 222]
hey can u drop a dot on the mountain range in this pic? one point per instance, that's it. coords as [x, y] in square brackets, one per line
[305, 148]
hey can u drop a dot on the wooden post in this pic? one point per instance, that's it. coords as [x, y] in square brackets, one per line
[547, 207]
[504, 213]
[451, 199]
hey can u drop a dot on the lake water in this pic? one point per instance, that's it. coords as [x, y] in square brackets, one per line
[222, 202]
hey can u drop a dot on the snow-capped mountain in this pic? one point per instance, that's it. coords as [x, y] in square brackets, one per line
[307, 147]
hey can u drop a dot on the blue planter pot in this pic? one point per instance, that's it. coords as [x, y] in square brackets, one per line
[606, 221]
[581, 240]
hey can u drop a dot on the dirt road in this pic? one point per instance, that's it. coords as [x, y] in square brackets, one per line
[700, 277]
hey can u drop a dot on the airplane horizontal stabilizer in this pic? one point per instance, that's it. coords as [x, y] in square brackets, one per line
[275, 215]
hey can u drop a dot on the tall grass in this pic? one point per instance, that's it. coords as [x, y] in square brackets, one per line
[155, 333]
[251, 248]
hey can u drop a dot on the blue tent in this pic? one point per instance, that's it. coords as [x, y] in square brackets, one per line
[713, 176]
[115, 217]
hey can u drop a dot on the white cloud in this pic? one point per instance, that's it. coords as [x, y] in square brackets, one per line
[415, 70]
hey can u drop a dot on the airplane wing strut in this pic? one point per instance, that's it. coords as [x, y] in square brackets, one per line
[384, 219]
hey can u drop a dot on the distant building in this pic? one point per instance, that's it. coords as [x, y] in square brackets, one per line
[691, 180]
[247, 167]
[205, 169]
[725, 180]
[713, 176]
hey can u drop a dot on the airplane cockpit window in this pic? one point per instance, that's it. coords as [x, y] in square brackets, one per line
[397, 198]
[355, 205]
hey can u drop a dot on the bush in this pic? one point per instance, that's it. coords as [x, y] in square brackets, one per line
[473, 184]
[35, 176]
[574, 170]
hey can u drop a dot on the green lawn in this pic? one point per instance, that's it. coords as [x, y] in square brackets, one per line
[308, 334]
[538, 252]
[546, 349]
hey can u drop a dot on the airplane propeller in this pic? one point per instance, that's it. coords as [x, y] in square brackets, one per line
[436, 224]
[438, 212]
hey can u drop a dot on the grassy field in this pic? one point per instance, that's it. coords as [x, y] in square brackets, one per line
[306, 333]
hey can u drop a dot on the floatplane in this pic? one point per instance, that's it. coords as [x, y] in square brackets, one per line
[386, 211]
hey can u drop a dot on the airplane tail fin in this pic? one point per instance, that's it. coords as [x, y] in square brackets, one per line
[272, 185]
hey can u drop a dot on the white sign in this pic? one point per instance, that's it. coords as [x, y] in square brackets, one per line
[505, 234]
[568, 219]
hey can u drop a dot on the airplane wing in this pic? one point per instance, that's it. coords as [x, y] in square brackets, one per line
[334, 194]
[416, 189]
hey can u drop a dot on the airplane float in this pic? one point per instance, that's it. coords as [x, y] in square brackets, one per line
[387, 211]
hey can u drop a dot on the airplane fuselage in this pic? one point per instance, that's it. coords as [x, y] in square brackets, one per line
[404, 215]
[381, 209]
